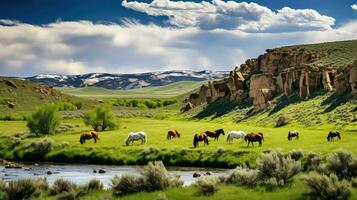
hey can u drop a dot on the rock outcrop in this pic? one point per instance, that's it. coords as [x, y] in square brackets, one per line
[277, 72]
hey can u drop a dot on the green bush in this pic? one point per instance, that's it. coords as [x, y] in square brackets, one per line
[354, 182]
[79, 105]
[45, 145]
[156, 177]
[207, 185]
[66, 106]
[242, 176]
[100, 118]
[296, 154]
[72, 195]
[2, 190]
[127, 184]
[44, 120]
[312, 161]
[94, 184]
[25, 188]
[327, 187]
[343, 163]
[276, 165]
[61, 186]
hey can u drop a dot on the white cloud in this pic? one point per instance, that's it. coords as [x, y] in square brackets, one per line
[84, 47]
[354, 6]
[232, 15]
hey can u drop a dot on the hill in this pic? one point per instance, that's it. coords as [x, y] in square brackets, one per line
[313, 85]
[20, 96]
[167, 91]
[127, 81]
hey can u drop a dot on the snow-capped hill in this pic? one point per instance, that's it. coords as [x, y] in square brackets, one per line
[127, 81]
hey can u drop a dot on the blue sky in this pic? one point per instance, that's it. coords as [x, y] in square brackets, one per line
[83, 36]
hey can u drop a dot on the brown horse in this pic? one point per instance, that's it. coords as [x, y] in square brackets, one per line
[173, 134]
[200, 137]
[87, 136]
[333, 134]
[254, 137]
[215, 134]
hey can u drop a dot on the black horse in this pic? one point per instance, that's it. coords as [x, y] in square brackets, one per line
[333, 134]
[200, 137]
[215, 134]
[293, 134]
[254, 137]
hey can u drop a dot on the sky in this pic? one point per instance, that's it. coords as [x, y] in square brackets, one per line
[134, 36]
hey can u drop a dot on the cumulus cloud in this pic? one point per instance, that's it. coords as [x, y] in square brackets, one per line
[354, 6]
[83, 47]
[218, 14]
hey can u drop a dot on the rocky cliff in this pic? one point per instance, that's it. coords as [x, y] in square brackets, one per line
[280, 71]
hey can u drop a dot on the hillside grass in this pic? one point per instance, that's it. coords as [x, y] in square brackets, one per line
[27, 96]
[167, 91]
[332, 53]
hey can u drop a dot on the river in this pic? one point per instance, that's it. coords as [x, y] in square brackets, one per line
[82, 173]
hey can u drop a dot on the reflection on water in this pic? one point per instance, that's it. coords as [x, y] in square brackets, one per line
[81, 174]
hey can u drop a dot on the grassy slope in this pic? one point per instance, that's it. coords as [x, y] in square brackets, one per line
[333, 53]
[27, 96]
[167, 91]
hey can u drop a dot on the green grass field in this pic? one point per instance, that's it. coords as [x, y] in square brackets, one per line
[110, 149]
[167, 91]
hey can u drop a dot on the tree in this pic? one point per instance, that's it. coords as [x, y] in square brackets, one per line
[100, 118]
[44, 120]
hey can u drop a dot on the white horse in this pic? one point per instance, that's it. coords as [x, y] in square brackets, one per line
[141, 135]
[235, 134]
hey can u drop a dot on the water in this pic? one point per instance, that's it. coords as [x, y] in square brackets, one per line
[81, 174]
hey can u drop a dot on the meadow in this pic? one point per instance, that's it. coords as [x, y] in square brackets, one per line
[111, 149]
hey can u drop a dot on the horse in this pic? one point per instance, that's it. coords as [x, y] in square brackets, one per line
[87, 136]
[215, 134]
[254, 137]
[173, 134]
[200, 137]
[333, 134]
[293, 134]
[141, 135]
[235, 134]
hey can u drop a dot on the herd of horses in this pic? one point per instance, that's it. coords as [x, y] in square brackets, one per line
[203, 137]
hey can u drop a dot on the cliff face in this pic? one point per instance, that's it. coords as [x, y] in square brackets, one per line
[278, 71]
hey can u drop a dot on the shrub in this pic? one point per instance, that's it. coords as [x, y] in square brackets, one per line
[242, 176]
[271, 184]
[343, 163]
[207, 185]
[100, 118]
[326, 187]
[127, 183]
[44, 145]
[282, 121]
[220, 150]
[151, 150]
[94, 184]
[44, 120]
[61, 186]
[72, 195]
[297, 154]
[156, 177]
[2, 190]
[354, 182]
[276, 165]
[312, 162]
[21, 189]
[79, 105]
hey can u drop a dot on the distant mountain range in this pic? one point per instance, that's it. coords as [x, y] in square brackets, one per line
[127, 81]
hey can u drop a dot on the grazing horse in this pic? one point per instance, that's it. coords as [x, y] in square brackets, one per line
[235, 134]
[173, 134]
[293, 134]
[215, 134]
[254, 137]
[200, 137]
[333, 134]
[141, 135]
[87, 136]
